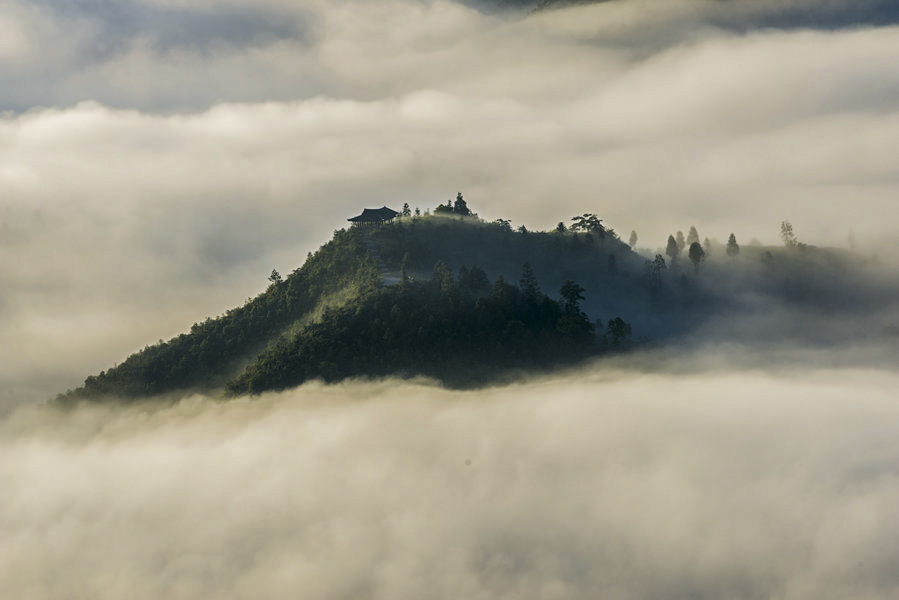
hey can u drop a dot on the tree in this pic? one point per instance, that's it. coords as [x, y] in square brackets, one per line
[528, 283]
[406, 212]
[474, 280]
[672, 249]
[417, 212]
[275, 277]
[633, 240]
[692, 235]
[733, 248]
[404, 276]
[522, 230]
[572, 294]
[697, 254]
[444, 209]
[681, 242]
[443, 276]
[587, 222]
[560, 228]
[618, 329]
[658, 264]
[787, 235]
[460, 207]
[504, 224]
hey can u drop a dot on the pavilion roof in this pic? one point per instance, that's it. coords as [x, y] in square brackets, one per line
[374, 215]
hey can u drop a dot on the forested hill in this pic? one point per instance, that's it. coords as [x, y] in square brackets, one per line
[466, 302]
[215, 350]
[332, 317]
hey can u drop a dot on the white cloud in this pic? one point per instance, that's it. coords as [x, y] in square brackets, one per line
[607, 483]
[165, 179]
[138, 221]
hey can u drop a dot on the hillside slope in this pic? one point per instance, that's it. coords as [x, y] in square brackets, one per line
[215, 350]
[475, 300]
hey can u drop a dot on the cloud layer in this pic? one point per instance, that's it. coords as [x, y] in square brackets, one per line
[161, 157]
[607, 484]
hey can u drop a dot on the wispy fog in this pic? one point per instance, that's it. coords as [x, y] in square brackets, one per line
[159, 158]
[609, 482]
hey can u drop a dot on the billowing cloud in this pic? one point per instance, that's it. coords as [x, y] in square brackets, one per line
[159, 157]
[124, 220]
[613, 484]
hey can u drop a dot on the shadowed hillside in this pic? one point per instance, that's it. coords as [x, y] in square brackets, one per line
[466, 302]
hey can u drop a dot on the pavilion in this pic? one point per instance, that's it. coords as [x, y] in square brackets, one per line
[374, 215]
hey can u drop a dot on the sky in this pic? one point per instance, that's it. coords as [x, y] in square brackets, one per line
[159, 157]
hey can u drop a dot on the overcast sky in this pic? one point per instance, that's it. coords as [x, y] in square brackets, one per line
[159, 157]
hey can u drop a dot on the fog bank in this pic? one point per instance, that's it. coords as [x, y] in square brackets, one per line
[158, 159]
[603, 483]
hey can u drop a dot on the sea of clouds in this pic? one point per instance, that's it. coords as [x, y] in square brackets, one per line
[159, 157]
[691, 480]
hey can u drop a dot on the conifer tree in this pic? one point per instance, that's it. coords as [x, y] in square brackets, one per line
[787, 235]
[697, 254]
[460, 207]
[528, 283]
[672, 249]
[733, 248]
[692, 235]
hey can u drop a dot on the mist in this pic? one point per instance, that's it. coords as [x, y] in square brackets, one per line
[159, 158]
[154, 174]
[609, 481]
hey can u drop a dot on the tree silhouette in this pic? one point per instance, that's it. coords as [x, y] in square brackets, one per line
[787, 235]
[696, 254]
[658, 264]
[587, 222]
[672, 249]
[444, 208]
[406, 212]
[733, 248]
[572, 294]
[443, 276]
[681, 242]
[460, 207]
[692, 235]
[528, 283]
[619, 330]
[275, 277]
[653, 272]
[633, 239]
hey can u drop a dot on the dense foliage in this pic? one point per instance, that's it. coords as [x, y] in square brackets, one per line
[368, 304]
[214, 350]
[459, 330]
